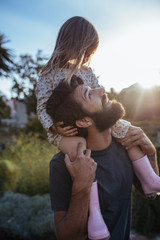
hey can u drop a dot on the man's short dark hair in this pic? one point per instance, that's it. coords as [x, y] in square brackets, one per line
[62, 107]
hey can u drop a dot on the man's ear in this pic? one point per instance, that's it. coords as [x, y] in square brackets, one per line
[84, 123]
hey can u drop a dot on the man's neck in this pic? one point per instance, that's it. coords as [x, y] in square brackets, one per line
[98, 140]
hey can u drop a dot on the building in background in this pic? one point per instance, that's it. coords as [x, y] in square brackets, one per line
[18, 117]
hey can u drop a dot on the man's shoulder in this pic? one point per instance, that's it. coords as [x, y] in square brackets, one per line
[118, 148]
[117, 145]
[57, 159]
[114, 149]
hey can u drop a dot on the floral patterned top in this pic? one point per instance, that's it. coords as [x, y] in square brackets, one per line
[44, 89]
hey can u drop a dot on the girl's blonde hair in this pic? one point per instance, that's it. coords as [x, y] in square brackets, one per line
[75, 36]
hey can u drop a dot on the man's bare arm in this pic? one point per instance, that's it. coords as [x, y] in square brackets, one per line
[72, 224]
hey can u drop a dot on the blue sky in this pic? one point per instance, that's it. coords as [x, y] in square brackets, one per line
[129, 33]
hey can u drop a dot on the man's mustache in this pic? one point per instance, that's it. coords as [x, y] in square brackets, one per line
[104, 99]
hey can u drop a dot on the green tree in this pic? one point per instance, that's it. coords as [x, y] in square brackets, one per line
[4, 109]
[112, 94]
[25, 76]
[5, 57]
[141, 104]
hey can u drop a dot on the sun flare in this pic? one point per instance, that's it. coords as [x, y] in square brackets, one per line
[131, 56]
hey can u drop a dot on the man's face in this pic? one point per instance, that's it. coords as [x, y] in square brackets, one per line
[96, 104]
[92, 100]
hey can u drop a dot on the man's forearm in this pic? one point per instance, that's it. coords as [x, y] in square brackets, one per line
[73, 225]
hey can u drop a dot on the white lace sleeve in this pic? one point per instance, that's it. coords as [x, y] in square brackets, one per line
[120, 129]
[94, 79]
[43, 91]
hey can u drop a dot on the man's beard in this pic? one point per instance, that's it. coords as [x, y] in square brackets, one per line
[107, 117]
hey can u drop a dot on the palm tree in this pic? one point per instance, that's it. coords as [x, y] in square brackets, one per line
[5, 57]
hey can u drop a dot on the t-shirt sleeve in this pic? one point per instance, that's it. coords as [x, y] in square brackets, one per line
[120, 129]
[43, 91]
[60, 184]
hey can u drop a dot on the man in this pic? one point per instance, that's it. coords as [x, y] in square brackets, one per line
[70, 182]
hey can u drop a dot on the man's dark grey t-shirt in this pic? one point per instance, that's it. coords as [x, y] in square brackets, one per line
[114, 176]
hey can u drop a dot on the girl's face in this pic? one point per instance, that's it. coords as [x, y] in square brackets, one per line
[89, 52]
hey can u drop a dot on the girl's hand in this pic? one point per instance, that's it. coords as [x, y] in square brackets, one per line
[65, 131]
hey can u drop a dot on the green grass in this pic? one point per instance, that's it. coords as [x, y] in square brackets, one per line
[32, 156]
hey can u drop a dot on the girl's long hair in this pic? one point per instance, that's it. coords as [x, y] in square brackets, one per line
[75, 36]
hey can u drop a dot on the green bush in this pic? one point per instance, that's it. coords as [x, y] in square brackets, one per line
[9, 174]
[4, 109]
[149, 127]
[145, 212]
[34, 126]
[32, 156]
[26, 217]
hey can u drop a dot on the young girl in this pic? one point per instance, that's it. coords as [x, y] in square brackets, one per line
[77, 41]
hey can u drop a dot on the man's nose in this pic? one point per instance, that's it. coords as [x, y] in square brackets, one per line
[101, 91]
[98, 91]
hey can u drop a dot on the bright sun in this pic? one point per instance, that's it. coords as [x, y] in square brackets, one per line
[148, 84]
[129, 57]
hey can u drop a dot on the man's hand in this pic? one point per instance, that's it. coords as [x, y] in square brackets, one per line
[68, 145]
[136, 137]
[68, 131]
[82, 169]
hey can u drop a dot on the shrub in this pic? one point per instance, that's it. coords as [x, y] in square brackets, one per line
[145, 212]
[145, 217]
[25, 217]
[4, 109]
[34, 126]
[32, 156]
[9, 174]
[149, 127]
